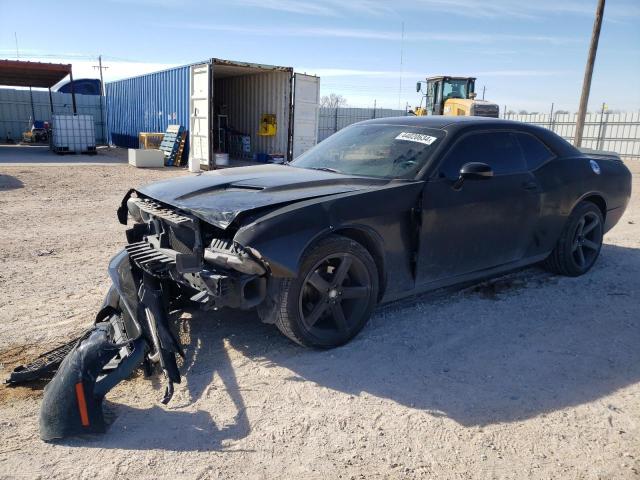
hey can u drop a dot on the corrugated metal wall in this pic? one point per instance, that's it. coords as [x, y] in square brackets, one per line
[616, 132]
[149, 103]
[15, 110]
[333, 119]
[249, 96]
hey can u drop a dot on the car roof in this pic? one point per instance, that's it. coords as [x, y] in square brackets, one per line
[454, 125]
[441, 121]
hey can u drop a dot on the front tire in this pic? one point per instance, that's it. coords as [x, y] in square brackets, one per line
[580, 242]
[332, 298]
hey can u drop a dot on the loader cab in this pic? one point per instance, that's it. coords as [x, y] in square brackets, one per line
[440, 89]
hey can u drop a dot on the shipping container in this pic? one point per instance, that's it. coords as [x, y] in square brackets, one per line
[148, 103]
[270, 110]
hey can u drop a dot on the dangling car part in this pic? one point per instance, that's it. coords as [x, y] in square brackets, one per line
[379, 211]
[43, 367]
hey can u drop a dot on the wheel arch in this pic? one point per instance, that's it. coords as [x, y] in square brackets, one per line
[597, 199]
[373, 243]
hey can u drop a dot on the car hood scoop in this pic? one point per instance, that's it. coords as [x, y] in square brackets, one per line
[220, 196]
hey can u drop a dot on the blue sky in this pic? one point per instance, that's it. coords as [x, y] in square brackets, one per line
[527, 53]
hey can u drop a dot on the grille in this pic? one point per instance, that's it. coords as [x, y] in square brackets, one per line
[222, 244]
[181, 240]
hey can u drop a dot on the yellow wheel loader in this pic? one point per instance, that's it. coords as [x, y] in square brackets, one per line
[453, 96]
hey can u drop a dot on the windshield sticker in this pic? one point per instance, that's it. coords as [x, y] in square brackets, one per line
[416, 137]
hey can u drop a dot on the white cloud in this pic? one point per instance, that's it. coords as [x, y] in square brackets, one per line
[332, 8]
[516, 9]
[366, 34]
[347, 72]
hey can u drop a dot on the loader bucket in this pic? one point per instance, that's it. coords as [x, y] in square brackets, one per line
[72, 403]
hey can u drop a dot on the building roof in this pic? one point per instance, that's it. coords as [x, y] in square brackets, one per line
[17, 73]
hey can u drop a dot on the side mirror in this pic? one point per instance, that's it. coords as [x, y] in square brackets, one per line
[418, 86]
[473, 171]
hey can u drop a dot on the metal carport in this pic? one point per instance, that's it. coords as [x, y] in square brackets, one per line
[16, 73]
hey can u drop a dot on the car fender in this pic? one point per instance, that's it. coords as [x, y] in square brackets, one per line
[592, 193]
[282, 236]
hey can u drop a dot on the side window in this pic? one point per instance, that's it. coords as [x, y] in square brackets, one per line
[535, 152]
[499, 150]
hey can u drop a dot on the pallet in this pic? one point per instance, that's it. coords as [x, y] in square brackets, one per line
[171, 142]
[180, 152]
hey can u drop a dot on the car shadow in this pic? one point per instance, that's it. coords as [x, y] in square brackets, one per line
[8, 182]
[502, 351]
[506, 350]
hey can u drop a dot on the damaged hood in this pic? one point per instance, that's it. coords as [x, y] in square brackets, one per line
[218, 197]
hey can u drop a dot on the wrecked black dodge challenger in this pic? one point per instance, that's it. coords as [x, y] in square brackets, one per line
[381, 210]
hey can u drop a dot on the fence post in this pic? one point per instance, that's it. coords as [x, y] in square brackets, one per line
[551, 118]
[335, 126]
[600, 143]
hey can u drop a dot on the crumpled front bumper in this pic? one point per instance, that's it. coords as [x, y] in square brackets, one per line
[103, 357]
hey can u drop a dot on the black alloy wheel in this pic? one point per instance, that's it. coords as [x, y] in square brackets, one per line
[580, 242]
[334, 296]
[587, 240]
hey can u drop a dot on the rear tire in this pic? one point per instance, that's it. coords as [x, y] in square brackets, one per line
[332, 298]
[580, 242]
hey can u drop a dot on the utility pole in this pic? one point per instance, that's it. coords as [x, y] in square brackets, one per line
[484, 87]
[588, 72]
[102, 98]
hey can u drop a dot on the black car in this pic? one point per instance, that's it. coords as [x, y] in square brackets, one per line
[381, 210]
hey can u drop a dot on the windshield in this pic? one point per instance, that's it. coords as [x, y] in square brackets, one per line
[455, 89]
[388, 151]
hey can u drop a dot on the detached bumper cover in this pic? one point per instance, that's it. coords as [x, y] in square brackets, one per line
[72, 403]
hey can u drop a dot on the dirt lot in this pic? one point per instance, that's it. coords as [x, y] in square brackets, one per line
[532, 376]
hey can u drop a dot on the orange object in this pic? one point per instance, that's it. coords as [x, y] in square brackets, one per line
[82, 405]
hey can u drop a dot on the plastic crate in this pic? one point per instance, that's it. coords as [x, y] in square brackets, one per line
[73, 134]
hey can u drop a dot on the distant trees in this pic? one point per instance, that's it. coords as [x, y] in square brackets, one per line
[333, 100]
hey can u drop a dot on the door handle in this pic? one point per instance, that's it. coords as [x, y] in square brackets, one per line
[530, 185]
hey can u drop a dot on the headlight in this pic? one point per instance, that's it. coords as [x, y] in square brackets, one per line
[134, 210]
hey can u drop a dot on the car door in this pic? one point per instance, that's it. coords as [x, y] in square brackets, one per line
[481, 223]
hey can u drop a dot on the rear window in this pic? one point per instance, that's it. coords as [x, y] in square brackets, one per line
[534, 150]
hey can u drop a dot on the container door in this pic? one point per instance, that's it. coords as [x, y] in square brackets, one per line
[199, 117]
[306, 97]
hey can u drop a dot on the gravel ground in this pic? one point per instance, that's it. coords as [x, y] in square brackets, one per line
[530, 376]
